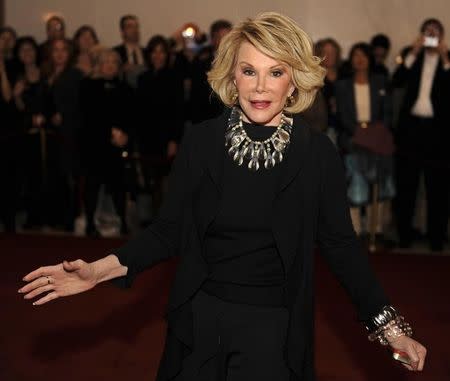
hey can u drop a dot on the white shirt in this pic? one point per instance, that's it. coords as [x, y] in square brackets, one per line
[134, 53]
[362, 102]
[423, 106]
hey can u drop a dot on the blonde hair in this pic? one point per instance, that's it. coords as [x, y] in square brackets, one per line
[280, 38]
[100, 54]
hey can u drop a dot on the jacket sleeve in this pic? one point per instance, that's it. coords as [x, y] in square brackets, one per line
[338, 242]
[160, 241]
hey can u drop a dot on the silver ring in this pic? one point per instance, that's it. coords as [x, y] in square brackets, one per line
[48, 279]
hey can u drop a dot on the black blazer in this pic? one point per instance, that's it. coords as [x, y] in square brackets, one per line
[409, 79]
[380, 106]
[310, 205]
[122, 50]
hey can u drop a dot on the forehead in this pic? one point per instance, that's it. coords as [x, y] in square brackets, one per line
[250, 54]
[130, 22]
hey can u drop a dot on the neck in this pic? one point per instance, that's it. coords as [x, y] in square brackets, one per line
[361, 76]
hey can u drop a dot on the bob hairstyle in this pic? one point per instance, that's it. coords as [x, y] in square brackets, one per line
[280, 38]
[99, 55]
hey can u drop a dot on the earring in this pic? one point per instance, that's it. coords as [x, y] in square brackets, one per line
[290, 101]
[235, 97]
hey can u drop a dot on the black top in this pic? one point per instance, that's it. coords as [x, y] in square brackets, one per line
[239, 244]
[310, 205]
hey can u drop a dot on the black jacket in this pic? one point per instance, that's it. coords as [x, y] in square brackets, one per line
[409, 79]
[380, 106]
[310, 205]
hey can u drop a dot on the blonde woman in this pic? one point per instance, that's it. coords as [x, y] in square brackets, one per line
[250, 192]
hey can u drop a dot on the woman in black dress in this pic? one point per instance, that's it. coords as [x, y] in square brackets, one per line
[161, 117]
[107, 119]
[244, 219]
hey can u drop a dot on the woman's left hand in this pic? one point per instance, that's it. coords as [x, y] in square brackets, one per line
[416, 351]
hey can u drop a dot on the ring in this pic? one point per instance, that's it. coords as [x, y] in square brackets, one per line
[48, 279]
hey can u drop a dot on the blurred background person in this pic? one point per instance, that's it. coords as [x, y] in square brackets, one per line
[381, 46]
[330, 51]
[361, 100]
[8, 39]
[130, 51]
[7, 153]
[62, 112]
[160, 100]
[423, 134]
[28, 99]
[203, 104]
[55, 28]
[108, 116]
[84, 40]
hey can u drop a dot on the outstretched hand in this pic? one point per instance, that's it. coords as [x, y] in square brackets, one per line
[64, 279]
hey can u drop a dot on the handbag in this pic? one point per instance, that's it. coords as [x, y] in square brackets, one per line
[374, 137]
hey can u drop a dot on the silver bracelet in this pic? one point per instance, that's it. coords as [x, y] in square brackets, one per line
[387, 314]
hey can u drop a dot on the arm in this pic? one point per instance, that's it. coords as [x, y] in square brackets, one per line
[6, 92]
[338, 242]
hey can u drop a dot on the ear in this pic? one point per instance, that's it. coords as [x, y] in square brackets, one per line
[291, 89]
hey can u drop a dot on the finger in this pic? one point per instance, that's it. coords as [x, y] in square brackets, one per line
[47, 298]
[408, 367]
[422, 355]
[38, 291]
[412, 353]
[41, 281]
[41, 271]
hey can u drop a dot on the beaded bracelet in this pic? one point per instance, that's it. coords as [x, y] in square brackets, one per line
[392, 330]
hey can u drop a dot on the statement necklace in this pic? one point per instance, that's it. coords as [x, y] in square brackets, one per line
[269, 152]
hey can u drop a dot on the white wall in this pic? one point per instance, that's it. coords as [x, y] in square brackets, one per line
[346, 20]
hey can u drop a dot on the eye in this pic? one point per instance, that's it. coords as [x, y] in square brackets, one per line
[277, 73]
[248, 72]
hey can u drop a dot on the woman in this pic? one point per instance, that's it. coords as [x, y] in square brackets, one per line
[161, 116]
[330, 51]
[85, 40]
[242, 301]
[362, 99]
[62, 83]
[107, 118]
[28, 99]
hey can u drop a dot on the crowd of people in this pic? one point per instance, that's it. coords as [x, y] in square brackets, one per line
[76, 115]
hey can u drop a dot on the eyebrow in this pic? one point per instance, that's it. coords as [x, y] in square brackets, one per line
[272, 67]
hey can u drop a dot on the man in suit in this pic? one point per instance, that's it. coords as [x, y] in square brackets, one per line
[422, 134]
[130, 51]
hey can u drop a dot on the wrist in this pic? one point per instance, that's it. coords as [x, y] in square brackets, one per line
[107, 268]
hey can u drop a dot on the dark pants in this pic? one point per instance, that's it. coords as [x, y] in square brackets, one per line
[423, 154]
[236, 342]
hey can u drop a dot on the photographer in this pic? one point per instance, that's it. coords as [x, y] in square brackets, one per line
[422, 136]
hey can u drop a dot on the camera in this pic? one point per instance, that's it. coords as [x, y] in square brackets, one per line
[431, 42]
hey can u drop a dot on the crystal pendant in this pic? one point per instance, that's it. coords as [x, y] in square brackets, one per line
[277, 157]
[284, 136]
[278, 144]
[253, 164]
[250, 150]
[269, 162]
[233, 150]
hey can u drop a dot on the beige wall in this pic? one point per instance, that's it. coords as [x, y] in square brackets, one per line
[347, 20]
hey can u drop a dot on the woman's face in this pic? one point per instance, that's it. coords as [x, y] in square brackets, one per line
[109, 68]
[158, 57]
[263, 85]
[329, 53]
[27, 54]
[86, 41]
[60, 53]
[360, 62]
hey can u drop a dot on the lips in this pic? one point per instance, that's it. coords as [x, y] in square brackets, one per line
[260, 104]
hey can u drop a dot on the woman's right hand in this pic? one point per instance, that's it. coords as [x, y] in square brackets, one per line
[64, 279]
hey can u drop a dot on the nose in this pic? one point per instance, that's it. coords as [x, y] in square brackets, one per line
[260, 84]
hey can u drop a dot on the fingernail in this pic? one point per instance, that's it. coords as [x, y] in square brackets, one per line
[19, 291]
[34, 304]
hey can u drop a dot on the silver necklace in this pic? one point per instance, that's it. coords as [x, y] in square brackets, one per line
[269, 152]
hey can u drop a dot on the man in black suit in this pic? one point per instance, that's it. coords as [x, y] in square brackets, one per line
[423, 132]
[130, 51]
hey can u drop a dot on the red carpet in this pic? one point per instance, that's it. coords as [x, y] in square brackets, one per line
[110, 334]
